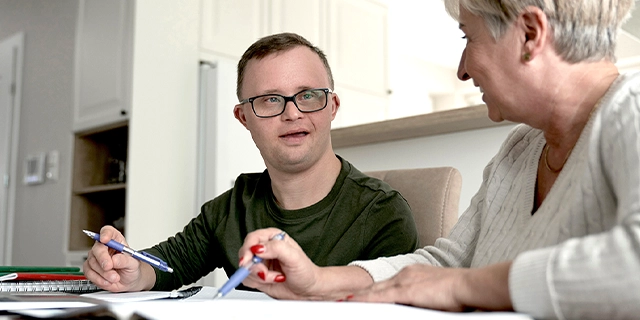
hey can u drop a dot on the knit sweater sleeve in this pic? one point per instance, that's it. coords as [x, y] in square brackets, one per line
[454, 251]
[594, 276]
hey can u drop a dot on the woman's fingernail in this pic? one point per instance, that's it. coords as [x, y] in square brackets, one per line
[280, 278]
[349, 297]
[258, 248]
[262, 275]
[240, 262]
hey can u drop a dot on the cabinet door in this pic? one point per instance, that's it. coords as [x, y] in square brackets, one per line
[229, 27]
[358, 45]
[103, 63]
[306, 18]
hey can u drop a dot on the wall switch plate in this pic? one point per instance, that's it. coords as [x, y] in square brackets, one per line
[34, 169]
[52, 165]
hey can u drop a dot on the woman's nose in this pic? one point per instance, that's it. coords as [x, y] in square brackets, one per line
[462, 71]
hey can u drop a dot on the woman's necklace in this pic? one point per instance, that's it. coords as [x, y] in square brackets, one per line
[546, 161]
[546, 146]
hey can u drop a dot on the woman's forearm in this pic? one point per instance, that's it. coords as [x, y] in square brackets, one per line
[339, 282]
[486, 288]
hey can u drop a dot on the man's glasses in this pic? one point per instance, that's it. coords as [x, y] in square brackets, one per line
[271, 105]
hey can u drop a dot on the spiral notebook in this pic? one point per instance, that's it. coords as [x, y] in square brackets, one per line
[36, 286]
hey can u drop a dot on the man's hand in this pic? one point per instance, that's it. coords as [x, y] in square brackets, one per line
[114, 271]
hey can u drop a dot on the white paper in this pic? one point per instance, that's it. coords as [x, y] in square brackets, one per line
[285, 309]
[128, 296]
[206, 293]
[42, 301]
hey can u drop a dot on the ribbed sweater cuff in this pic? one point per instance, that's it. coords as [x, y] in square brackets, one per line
[378, 269]
[529, 283]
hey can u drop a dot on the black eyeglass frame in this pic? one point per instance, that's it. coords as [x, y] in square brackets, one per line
[292, 98]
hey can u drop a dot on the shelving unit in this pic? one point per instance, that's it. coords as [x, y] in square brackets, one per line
[99, 182]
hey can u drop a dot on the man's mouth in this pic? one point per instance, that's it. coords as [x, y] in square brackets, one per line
[294, 134]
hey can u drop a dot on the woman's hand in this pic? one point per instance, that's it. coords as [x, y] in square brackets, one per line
[287, 272]
[450, 289]
[114, 271]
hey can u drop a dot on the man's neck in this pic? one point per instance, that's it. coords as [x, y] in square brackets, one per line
[303, 189]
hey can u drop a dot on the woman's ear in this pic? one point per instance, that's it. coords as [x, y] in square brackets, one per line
[534, 28]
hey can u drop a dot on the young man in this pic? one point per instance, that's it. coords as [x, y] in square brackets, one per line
[336, 213]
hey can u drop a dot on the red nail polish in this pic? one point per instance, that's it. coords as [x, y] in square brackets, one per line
[280, 278]
[240, 262]
[349, 297]
[262, 275]
[258, 248]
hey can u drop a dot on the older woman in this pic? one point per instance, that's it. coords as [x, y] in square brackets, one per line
[554, 230]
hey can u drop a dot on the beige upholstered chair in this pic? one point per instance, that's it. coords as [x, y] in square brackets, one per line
[433, 195]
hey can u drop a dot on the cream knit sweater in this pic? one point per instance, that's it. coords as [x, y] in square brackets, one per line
[578, 256]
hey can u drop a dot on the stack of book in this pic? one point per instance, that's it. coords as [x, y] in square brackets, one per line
[15, 279]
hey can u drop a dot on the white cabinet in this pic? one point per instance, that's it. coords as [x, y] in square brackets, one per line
[352, 33]
[357, 49]
[357, 53]
[306, 18]
[103, 67]
[228, 27]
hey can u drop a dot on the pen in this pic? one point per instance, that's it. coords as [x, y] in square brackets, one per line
[140, 255]
[243, 272]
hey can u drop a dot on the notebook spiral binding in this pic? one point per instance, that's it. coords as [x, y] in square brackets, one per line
[66, 286]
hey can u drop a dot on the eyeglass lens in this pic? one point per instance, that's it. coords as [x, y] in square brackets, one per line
[274, 104]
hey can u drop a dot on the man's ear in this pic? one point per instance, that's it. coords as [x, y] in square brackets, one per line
[238, 113]
[534, 27]
[335, 105]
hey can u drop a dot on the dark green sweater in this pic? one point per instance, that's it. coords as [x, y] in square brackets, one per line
[361, 218]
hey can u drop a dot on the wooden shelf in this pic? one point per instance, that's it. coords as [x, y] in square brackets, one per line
[100, 188]
[440, 122]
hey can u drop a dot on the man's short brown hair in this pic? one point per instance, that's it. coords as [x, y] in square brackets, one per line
[273, 44]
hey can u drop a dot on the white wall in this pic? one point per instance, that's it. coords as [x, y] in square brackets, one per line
[467, 151]
[163, 126]
[41, 211]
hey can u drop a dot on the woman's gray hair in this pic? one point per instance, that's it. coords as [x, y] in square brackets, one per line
[583, 30]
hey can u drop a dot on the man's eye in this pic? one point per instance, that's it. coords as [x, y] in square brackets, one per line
[272, 99]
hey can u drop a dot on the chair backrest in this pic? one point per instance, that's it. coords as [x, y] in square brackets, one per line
[433, 195]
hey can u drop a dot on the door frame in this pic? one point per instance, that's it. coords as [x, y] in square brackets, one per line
[7, 209]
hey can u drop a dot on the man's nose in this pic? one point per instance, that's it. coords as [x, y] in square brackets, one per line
[291, 110]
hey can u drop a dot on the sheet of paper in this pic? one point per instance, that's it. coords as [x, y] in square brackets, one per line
[43, 301]
[206, 293]
[284, 310]
[128, 296]
[247, 295]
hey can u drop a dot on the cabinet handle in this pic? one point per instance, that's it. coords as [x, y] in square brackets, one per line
[123, 112]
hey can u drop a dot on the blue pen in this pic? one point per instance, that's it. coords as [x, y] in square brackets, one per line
[140, 255]
[243, 272]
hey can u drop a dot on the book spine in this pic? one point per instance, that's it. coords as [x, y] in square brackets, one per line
[38, 269]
